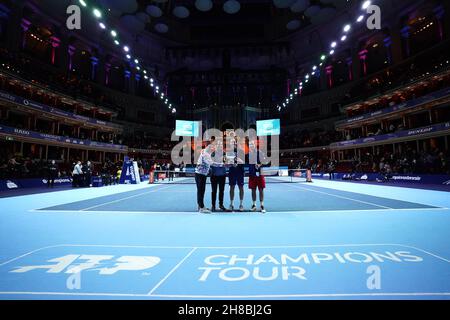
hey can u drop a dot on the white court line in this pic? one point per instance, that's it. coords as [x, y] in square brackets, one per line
[126, 198]
[318, 295]
[342, 197]
[306, 295]
[195, 213]
[171, 271]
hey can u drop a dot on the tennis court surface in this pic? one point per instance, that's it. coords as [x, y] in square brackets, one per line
[327, 240]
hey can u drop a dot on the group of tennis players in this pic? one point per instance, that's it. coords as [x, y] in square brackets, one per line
[214, 162]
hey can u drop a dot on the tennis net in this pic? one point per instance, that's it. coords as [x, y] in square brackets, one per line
[271, 176]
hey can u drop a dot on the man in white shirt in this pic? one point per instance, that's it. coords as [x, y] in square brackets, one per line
[76, 174]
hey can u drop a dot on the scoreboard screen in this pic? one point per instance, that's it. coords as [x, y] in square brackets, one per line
[187, 128]
[268, 127]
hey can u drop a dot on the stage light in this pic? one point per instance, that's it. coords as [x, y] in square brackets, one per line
[360, 18]
[323, 57]
[366, 5]
[128, 56]
[113, 33]
[102, 25]
[314, 68]
[136, 61]
[126, 49]
[116, 42]
[331, 52]
[347, 28]
[333, 44]
[97, 13]
[83, 3]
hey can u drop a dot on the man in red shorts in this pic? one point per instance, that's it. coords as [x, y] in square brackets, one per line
[256, 179]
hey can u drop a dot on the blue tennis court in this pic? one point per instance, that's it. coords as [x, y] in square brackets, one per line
[327, 240]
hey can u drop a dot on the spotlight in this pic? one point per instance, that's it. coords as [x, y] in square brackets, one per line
[116, 42]
[333, 44]
[102, 25]
[97, 13]
[366, 4]
[331, 52]
[360, 18]
[114, 33]
[344, 38]
[347, 28]
[126, 49]
[83, 3]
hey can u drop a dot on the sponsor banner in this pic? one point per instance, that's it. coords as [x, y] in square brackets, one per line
[130, 172]
[422, 179]
[48, 137]
[97, 182]
[12, 184]
[44, 108]
[403, 106]
[400, 134]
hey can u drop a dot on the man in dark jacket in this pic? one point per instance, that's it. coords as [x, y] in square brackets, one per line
[218, 178]
[52, 173]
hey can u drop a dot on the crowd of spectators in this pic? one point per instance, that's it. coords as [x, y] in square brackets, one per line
[410, 161]
[306, 138]
[396, 77]
[52, 79]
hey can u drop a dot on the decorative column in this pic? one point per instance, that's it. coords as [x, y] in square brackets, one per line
[349, 62]
[439, 13]
[94, 63]
[4, 14]
[137, 79]
[363, 58]
[329, 72]
[127, 75]
[388, 45]
[25, 24]
[71, 51]
[55, 42]
[107, 72]
[406, 41]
